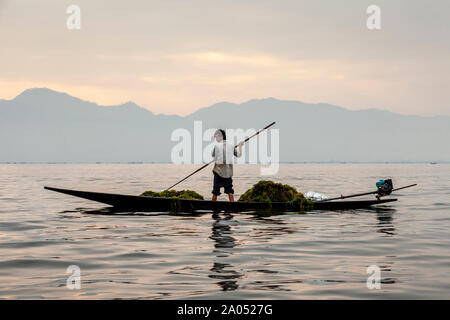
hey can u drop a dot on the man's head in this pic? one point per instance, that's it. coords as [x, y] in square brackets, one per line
[220, 135]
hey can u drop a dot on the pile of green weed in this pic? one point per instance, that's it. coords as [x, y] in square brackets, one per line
[269, 191]
[300, 203]
[183, 194]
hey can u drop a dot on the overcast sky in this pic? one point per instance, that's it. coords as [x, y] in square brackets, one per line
[177, 56]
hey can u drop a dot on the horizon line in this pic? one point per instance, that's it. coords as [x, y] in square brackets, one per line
[280, 162]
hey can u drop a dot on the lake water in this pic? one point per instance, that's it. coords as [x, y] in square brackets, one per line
[318, 255]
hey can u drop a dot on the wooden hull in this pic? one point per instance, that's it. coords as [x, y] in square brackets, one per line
[165, 204]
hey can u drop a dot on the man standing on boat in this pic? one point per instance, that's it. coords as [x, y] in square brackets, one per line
[223, 153]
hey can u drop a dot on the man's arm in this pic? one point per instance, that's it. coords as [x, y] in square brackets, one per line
[238, 150]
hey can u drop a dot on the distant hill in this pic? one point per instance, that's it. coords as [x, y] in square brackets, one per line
[41, 125]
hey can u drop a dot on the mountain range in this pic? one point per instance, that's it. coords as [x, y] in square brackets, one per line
[42, 125]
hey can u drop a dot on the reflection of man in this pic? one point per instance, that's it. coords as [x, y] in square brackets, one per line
[223, 154]
[222, 234]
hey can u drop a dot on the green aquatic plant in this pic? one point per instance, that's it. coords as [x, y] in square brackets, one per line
[300, 203]
[269, 191]
[173, 194]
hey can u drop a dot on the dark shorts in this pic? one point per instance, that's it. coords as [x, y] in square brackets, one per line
[219, 182]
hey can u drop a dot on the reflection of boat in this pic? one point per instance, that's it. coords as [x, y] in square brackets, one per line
[186, 205]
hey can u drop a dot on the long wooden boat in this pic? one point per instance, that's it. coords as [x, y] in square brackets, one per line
[131, 202]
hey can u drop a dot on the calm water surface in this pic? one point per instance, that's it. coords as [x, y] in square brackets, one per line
[317, 255]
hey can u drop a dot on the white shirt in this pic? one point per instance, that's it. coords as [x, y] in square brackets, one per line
[223, 153]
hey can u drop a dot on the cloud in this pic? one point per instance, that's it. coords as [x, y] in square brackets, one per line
[176, 57]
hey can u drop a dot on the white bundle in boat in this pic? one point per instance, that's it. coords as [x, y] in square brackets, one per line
[315, 196]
